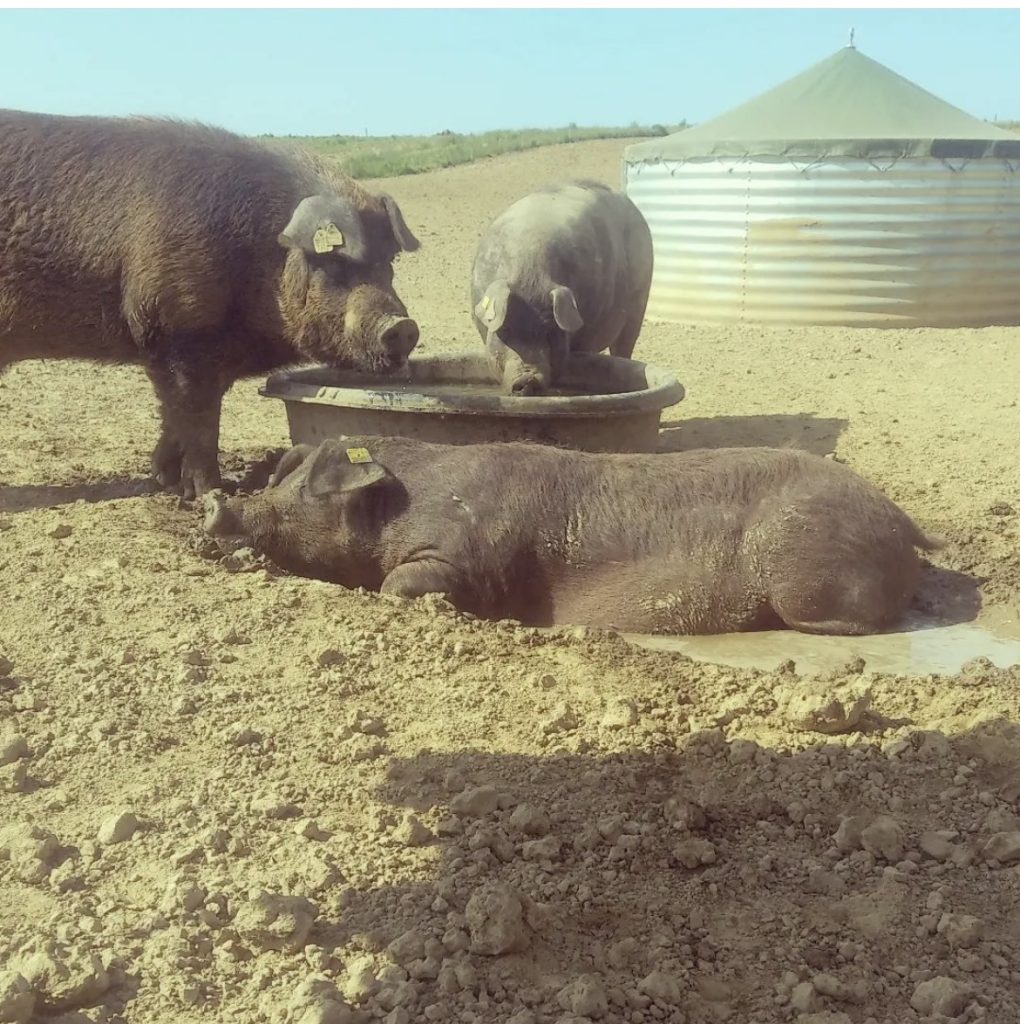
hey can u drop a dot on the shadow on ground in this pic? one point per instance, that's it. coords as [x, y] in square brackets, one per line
[947, 595]
[244, 471]
[670, 860]
[25, 497]
[817, 434]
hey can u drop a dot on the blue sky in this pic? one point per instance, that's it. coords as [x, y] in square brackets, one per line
[422, 71]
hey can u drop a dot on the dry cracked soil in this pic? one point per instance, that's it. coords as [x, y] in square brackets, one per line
[227, 794]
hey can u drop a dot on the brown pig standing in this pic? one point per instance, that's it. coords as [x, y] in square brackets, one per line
[693, 542]
[202, 256]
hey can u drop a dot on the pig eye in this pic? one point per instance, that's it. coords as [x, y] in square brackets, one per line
[380, 274]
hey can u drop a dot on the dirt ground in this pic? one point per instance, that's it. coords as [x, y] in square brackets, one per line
[230, 795]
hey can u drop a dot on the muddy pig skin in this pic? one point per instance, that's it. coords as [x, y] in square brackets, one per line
[565, 269]
[200, 255]
[692, 542]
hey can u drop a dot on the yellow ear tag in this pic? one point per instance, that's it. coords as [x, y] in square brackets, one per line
[486, 302]
[328, 238]
[357, 456]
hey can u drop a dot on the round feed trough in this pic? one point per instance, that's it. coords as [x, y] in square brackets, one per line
[602, 403]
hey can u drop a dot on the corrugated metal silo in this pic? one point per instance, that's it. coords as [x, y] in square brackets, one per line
[846, 195]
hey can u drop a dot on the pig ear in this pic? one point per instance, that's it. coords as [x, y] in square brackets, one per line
[336, 469]
[491, 310]
[565, 311]
[289, 462]
[401, 232]
[323, 225]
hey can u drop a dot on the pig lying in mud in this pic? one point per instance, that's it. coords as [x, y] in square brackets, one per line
[565, 269]
[692, 542]
[202, 256]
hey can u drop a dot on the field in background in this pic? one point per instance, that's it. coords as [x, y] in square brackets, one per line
[395, 155]
[392, 156]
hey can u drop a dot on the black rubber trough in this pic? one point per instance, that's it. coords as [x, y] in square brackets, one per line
[601, 403]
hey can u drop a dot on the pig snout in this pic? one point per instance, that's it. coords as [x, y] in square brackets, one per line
[527, 384]
[398, 336]
[220, 520]
[385, 338]
[526, 377]
[223, 522]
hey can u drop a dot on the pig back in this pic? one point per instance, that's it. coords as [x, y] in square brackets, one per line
[83, 195]
[581, 235]
[500, 499]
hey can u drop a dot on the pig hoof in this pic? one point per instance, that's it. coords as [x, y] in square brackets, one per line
[168, 478]
[166, 464]
[198, 481]
[527, 386]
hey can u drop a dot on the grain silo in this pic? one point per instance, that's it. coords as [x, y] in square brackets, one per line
[846, 195]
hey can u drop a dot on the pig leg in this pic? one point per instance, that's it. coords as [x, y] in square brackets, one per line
[623, 346]
[427, 576]
[188, 450]
[801, 616]
[166, 459]
[837, 602]
[838, 564]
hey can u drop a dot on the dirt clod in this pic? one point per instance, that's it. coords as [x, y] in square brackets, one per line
[562, 718]
[317, 1001]
[1003, 847]
[477, 802]
[275, 922]
[529, 820]
[65, 978]
[961, 930]
[498, 921]
[941, 996]
[31, 851]
[118, 828]
[17, 998]
[13, 748]
[662, 987]
[883, 838]
[585, 996]
[825, 707]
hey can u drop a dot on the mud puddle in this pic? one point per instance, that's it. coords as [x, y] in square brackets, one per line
[922, 647]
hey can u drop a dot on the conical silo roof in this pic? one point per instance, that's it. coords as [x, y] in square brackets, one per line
[845, 106]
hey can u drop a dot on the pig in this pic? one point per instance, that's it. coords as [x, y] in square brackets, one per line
[707, 541]
[200, 255]
[565, 269]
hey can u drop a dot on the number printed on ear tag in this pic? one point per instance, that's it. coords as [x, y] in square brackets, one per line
[334, 236]
[356, 456]
[327, 238]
